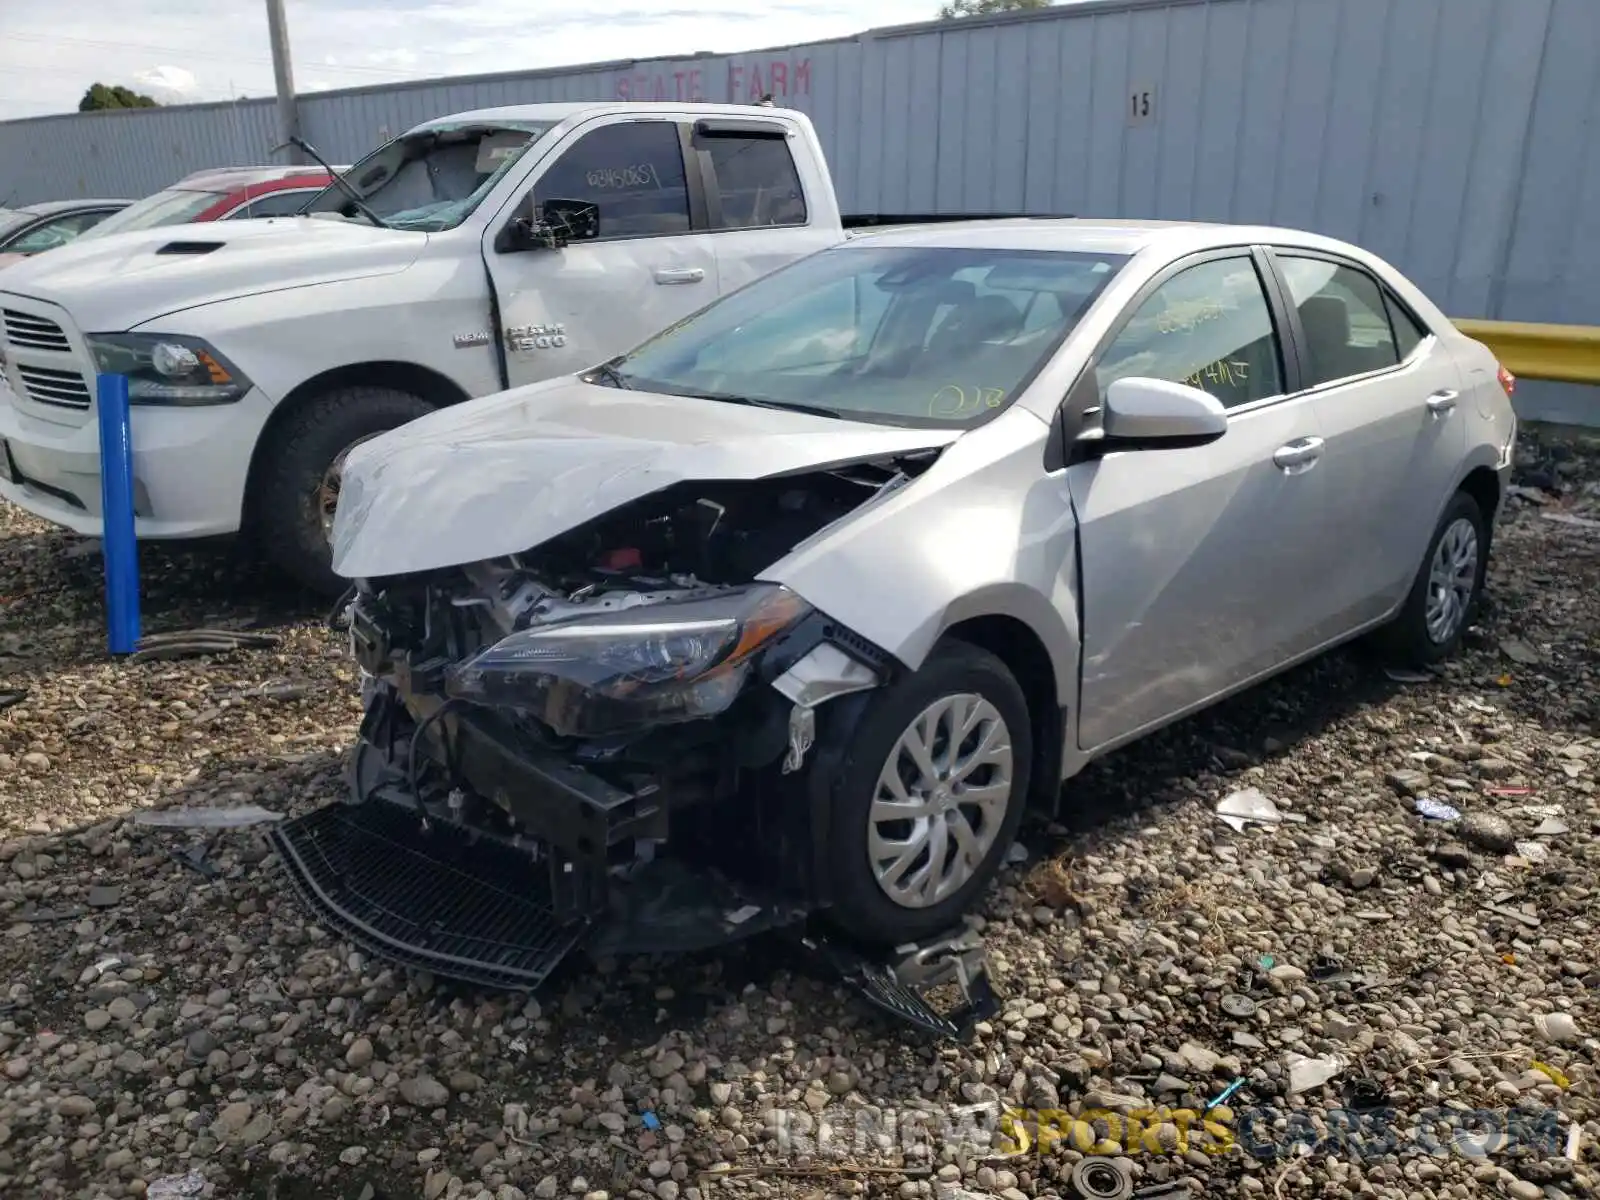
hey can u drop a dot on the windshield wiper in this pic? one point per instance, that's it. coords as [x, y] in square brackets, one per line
[608, 371]
[815, 410]
[338, 181]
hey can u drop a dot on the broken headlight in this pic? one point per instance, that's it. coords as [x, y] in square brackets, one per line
[631, 669]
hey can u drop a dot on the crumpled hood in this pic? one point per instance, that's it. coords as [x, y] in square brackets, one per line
[118, 282]
[502, 474]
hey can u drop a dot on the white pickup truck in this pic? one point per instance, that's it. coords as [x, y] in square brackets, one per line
[471, 254]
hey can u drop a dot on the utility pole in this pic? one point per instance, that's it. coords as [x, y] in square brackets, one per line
[283, 75]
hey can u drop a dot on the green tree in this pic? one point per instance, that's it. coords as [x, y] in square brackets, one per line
[100, 97]
[975, 8]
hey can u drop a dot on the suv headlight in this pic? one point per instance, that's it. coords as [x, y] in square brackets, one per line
[163, 368]
[631, 669]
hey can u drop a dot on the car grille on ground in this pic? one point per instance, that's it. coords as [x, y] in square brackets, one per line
[34, 333]
[63, 389]
[443, 901]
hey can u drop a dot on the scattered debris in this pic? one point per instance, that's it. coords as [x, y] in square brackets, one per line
[176, 1187]
[1236, 1005]
[1307, 1073]
[104, 896]
[1569, 519]
[1511, 914]
[1401, 675]
[1534, 852]
[1556, 1027]
[205, 818]
[1553, 1074]
[1519, 652]
[1552, 827]
[1251, 805]
[1225, 1094]
[1364, 1093]
[1101, 1179]
[195, 643]
[1437, 810]
[12, 698]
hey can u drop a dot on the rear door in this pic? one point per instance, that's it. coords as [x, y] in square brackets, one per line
[1387, 395]
[757, 204]
[564, 310]
[1198, 565]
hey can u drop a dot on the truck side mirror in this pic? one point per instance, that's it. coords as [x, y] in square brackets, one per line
[550, 227]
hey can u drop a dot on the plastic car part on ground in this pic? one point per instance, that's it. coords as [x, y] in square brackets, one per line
[192, 643]
[1252, 806]
[1101, 1179]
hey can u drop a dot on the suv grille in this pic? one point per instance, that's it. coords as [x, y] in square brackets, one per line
[34, 333]
[64, 389]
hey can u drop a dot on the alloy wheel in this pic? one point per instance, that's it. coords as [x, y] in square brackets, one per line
[1452, 578]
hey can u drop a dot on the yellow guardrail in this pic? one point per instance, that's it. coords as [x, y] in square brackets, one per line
[1562, 353]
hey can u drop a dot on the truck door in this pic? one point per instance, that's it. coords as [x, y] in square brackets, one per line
[564, 310]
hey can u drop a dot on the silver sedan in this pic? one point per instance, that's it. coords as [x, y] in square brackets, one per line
[863, 558]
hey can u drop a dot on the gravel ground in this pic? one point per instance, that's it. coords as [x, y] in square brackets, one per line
[155, 1021]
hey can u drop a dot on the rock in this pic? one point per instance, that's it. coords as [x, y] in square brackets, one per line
[1488, 831]
[233, 1118]
[1285, 974]
[1407, 782]
[200, 1045]
[1521, 1189]
[464, 1082]
[423, 1091]
[103, 897]
[547, 1188]
[1198, 1058]
[359, 1054]
[1363, 877]
[74, 1107]
[96, 1019]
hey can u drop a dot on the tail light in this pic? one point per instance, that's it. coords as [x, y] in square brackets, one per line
[1508, 382]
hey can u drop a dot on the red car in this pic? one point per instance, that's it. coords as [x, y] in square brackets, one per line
[224, 194]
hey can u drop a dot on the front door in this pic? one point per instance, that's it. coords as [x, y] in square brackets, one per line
[565, 310]
[1388, 398]
[1196, 562]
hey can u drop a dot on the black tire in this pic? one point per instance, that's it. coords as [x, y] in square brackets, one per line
[286, 504]
[861, 908]
[1406, 640]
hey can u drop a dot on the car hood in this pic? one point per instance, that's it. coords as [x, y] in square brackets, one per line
[118, 282]
[7, 259]
[500, 475]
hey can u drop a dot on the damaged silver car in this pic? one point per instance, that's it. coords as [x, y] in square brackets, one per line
[796, 608]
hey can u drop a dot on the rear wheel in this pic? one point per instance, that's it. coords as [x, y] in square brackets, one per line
[929, 797]
[1449, 584]
[303, 469]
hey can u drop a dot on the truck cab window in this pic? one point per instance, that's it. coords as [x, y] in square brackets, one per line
[632, 172]
[756, 182]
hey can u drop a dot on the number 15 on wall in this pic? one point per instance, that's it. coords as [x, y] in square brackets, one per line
[1142, 105]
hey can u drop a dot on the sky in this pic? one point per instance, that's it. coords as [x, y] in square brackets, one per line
[194, 50]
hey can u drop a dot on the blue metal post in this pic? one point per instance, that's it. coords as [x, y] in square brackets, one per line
[118, 544]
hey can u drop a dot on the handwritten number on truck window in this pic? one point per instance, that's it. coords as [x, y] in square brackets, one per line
[955, 401]
[638, 175]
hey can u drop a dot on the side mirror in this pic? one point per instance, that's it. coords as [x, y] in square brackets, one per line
[556, 223]
[1153, 414]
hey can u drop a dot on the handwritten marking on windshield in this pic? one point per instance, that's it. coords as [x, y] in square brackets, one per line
[953, 400]
[639, 175]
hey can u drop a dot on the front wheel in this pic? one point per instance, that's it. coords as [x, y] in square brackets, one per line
[1445, 594]
[301, 474]
[928, 797]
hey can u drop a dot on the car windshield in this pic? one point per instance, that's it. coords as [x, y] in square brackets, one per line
[890, 334]
[11, 220]
[431, 178]
[175, 206]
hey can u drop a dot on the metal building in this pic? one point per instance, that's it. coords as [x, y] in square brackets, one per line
[1457, 138]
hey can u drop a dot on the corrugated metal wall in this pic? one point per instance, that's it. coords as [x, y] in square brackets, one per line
[1455, 137]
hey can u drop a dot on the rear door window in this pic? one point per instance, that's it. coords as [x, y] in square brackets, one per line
[1343, 317]
[754, 180]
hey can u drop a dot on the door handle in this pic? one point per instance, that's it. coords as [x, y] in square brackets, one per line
[1299, 455]
[680, 274]
[1443, 403]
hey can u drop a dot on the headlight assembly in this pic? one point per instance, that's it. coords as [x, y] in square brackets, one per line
[164, 368]
[631, 669]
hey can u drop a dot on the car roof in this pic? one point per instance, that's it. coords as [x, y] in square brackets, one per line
[47, 208]
[1090, 235]
[224, 179]
[555, 113]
